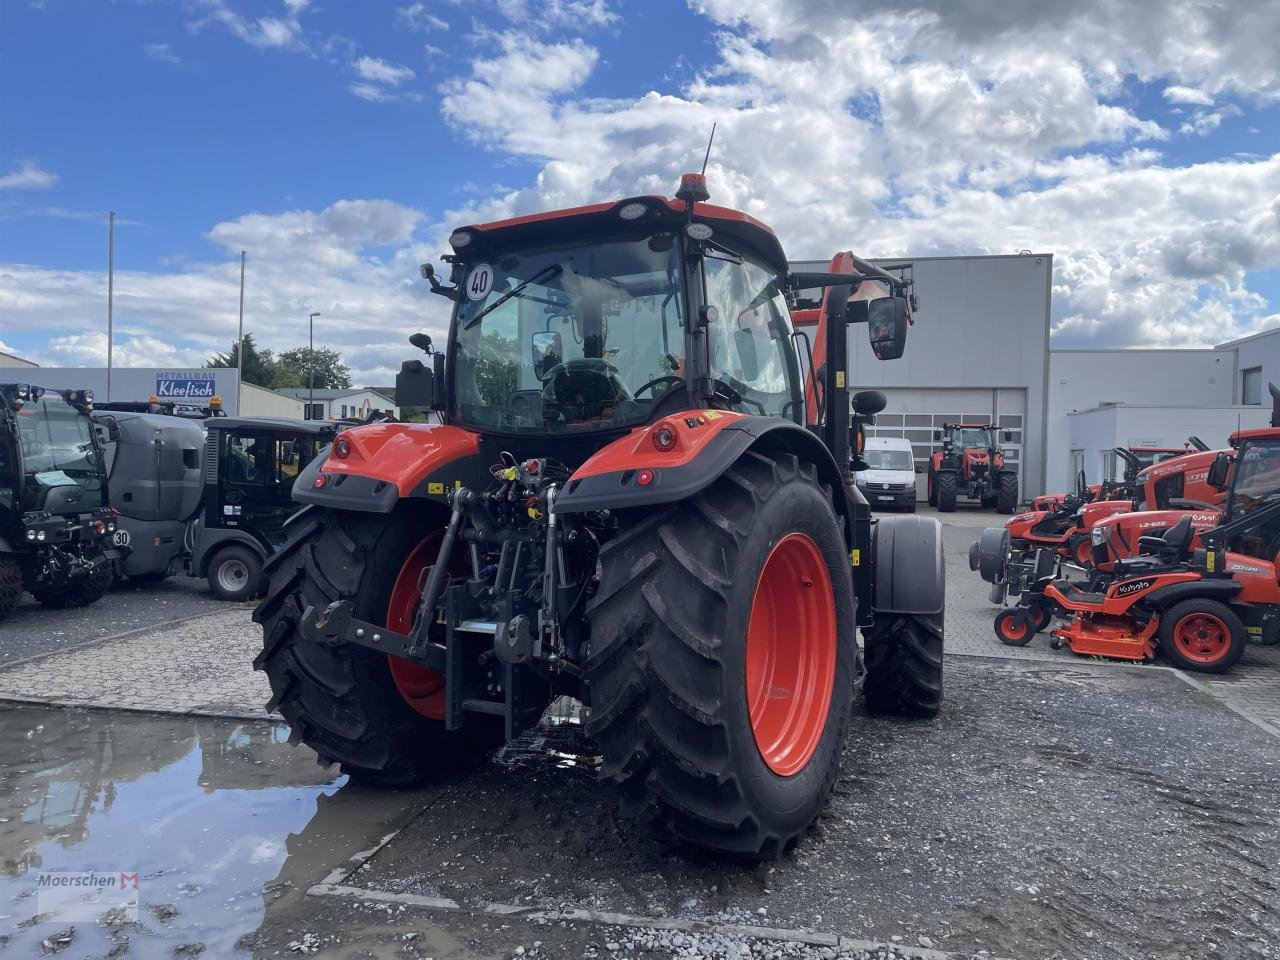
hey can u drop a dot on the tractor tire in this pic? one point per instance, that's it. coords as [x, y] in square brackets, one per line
[10, 586]
[235, 574]
[904, 665]
[723, 660]
[1202, 635]
[946, 492]
[1007, 495]
[382, 722]
[81, 591]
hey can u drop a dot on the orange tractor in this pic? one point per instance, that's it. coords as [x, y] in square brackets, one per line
[636, 496]
[970, 465]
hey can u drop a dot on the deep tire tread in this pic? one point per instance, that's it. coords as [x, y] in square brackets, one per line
[904, 666]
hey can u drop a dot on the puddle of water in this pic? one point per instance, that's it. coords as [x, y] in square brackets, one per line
[200, 809]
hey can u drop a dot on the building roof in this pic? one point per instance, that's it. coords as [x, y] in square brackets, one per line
[22, 361]
[330, 393]
[1253, 336]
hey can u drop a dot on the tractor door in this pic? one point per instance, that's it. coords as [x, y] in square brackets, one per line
[257, 471]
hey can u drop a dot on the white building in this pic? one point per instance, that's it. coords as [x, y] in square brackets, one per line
[334, 404]
[11, 360]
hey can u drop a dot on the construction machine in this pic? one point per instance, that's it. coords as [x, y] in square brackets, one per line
[641, 495]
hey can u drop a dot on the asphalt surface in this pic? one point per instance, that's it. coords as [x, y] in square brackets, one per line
[32, 631]
[1088, 812]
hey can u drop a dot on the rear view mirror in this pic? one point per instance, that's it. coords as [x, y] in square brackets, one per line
[886, 320]
[1218, 471]
[416, 386]
[548, 353]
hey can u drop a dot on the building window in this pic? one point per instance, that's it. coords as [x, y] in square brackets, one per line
[1251, 386]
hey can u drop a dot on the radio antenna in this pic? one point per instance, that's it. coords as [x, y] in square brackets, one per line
[710, 141]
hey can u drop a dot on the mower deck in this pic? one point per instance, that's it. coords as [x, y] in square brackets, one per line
[1113, 638]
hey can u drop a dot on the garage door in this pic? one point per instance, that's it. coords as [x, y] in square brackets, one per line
[917, 414]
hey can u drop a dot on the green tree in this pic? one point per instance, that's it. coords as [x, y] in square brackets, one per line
[260, 367]
[330, 371]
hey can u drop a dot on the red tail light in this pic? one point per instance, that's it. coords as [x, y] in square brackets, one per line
[342, 448]
[664, 436]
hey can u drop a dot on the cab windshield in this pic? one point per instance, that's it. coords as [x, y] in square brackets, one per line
[590, 336]
[970, 438]
[1257, 477]
[57, 447]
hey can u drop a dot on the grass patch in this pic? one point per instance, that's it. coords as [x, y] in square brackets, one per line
[1204, 696]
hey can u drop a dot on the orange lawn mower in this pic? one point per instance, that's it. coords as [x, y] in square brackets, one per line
[1198, 607]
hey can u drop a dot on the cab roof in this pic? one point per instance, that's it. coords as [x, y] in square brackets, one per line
[732, 227]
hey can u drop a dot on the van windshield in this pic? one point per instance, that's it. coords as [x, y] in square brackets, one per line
[889, 459]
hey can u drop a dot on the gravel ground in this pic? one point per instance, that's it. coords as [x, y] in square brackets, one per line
[1095, 812]
[32, 631]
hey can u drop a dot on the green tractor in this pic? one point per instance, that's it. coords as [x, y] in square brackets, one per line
[56, 527]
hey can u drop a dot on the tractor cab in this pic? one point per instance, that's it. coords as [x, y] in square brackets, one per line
[250, 465]
[55, 525]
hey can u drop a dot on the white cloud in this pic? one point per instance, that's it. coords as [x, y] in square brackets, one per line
[262, 32]
[1177, 94]
[160, 52]
[355, 262]
[29, 175]
[382, 71]
[416, 16]
[547, 14]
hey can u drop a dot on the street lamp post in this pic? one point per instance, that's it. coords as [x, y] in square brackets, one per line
[311, 365]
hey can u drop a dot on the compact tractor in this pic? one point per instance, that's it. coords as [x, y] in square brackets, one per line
[636, 497]
[55, 525]
[971, 465]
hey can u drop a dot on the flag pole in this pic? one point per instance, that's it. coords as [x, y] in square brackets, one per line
[240, 340]
[111, 285]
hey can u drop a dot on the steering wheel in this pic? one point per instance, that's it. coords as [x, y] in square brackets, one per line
[653, 383]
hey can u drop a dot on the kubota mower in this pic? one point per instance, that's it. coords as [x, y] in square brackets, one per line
[970, 465]
[1197, 606]
[632, 499]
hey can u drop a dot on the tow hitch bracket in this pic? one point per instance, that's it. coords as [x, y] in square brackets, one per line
[335, 625]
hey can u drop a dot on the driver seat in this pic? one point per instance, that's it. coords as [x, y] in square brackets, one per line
[1172, 547]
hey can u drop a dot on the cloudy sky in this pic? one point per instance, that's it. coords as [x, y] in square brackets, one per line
[338, 143]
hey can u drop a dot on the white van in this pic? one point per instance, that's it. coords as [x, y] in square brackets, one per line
[891, 481]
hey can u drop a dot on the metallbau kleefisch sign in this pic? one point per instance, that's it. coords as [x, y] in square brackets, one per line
[185, 385]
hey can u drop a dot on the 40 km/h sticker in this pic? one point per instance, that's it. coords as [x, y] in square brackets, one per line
[479, 281]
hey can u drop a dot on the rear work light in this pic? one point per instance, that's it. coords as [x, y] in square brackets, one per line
[342, 448]
[99, 527]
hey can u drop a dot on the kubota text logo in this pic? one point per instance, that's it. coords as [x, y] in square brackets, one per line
[1133, 586]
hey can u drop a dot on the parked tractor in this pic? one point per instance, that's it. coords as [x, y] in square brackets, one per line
[971, 466]
[627, 502]
[55, 525]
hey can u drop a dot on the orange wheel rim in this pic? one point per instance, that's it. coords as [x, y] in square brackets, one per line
[1202, 638]
[421, 687]
[1013, 629]
[791, 654]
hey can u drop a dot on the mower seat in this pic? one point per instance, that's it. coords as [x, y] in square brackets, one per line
[1163, 551]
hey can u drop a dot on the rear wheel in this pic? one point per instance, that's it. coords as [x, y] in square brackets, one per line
[81, 591]
[1013, 628]
[947, 488]
[1007, 494]
[378, 717]
[722, 659]
[1202, 635]
[235, 573]
[10, 585]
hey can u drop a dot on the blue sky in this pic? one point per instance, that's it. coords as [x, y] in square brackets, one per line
[338, 142]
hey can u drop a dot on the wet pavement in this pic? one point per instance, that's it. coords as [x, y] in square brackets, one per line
[32, 631]
[1048, 813]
